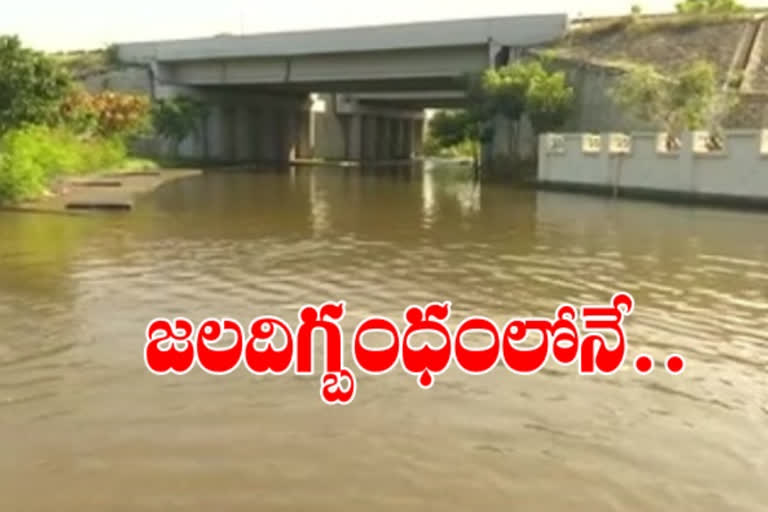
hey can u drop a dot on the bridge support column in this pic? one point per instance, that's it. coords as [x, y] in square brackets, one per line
[408, 138]
[418, 138]
[303, 149]
[366, 132]
[290, 138]
[369, 137]
[222, 132]
[230, 134]
[211, 131]
[353, 136]
[277, 137]
[402, 140]
[242, 145]
[382, 138]
[253, 134]
[394, 138]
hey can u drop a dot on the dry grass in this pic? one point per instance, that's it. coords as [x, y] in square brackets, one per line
[666, 42]
[666, 23]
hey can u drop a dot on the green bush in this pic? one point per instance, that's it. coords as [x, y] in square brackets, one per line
[32, 85]
[31, 157]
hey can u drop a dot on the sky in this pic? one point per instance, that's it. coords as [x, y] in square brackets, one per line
[81, 24]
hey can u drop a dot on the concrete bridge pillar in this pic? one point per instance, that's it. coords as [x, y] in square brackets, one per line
[230, 134]
[394, 138]
[302, 133]
[290, 136]
[306, 134]
[242, 127]
[352, 130]
[211, 131]
[363, 138]
[418, 139]
[253, 134]
[408, 138]
[372, 136]
[222, 132]
[278, 139]
[242, 144]
[404, 138]
[353, 137]
[369, 137]
[269, 139]
[382, 138]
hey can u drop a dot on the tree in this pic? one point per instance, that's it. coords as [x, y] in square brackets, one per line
[177, 118]
[450, 128]
[529, 88]
[640, 94]
[709, 7]
[526, 87]
[692, 99]
[506, 89]
[548, 100]
[32, 85]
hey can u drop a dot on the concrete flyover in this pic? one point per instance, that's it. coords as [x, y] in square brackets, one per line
[373, 83]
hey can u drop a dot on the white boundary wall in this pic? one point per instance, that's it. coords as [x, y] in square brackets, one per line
[641, 162]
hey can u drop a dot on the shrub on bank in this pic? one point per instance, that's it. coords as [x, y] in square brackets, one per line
[31, 157]
[107, 113]
[50, 126]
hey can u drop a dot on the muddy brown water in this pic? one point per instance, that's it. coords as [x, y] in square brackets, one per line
[85, 427]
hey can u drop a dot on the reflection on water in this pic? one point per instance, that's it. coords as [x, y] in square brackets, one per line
[86, 427]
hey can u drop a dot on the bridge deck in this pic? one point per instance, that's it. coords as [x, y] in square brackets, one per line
[510, 31]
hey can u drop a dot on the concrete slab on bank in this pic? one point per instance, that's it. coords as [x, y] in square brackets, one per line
[105, 192]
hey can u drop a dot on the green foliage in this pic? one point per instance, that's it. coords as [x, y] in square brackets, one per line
[32, 85]
[507, 88]
[433, 147]
[475, 120]
[529, 88]
[450, 128]
[640, 94]
[709, 7]
[525, 87]
[690, 100]
[460, 130]
[548, 101]
[696, 87]
[112, 55]
[30, 157]
[636, 10]
[178, 117]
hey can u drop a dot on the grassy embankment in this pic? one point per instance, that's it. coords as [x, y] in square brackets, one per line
[32, 159]
[667, 42]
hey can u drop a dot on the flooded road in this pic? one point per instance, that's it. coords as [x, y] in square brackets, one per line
[85, 427]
